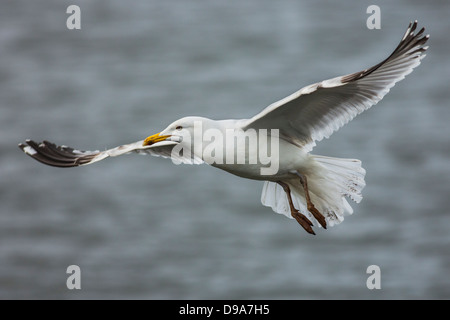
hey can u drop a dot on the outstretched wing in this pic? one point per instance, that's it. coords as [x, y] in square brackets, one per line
[62, 156]
[318, 110]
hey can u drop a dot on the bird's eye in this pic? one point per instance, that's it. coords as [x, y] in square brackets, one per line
[179, 128]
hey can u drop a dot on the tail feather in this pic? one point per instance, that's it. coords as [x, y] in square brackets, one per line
[333, 180]
[273, 196]
[347, 174]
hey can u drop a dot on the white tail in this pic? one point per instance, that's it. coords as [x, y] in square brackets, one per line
[333, 180]
[347, 174]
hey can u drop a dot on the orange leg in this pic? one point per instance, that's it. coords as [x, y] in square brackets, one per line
[310, 205]
[301, 219]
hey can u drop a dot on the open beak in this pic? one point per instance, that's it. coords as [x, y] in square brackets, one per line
[154, 139]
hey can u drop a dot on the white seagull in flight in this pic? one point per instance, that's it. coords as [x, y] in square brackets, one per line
[309, 188]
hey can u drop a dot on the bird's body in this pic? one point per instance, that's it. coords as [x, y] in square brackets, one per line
[291, 157]
[329, 179]
[274, 145]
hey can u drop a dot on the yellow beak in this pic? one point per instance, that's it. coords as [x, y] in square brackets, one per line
[154, 139]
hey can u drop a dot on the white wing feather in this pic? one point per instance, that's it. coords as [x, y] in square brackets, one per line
[318, 110]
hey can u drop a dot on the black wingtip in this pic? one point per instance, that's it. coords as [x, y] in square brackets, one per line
[57, 156]
[410, 44]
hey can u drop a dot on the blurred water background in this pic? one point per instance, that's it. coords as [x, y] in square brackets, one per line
[141, 227]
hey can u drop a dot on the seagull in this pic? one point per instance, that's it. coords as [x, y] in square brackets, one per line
[309, 188]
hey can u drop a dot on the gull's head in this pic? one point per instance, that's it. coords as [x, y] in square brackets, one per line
[176, 130]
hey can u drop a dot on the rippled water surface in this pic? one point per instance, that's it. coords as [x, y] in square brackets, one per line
[141, 227]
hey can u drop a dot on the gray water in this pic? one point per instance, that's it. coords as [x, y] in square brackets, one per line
[142, 227]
